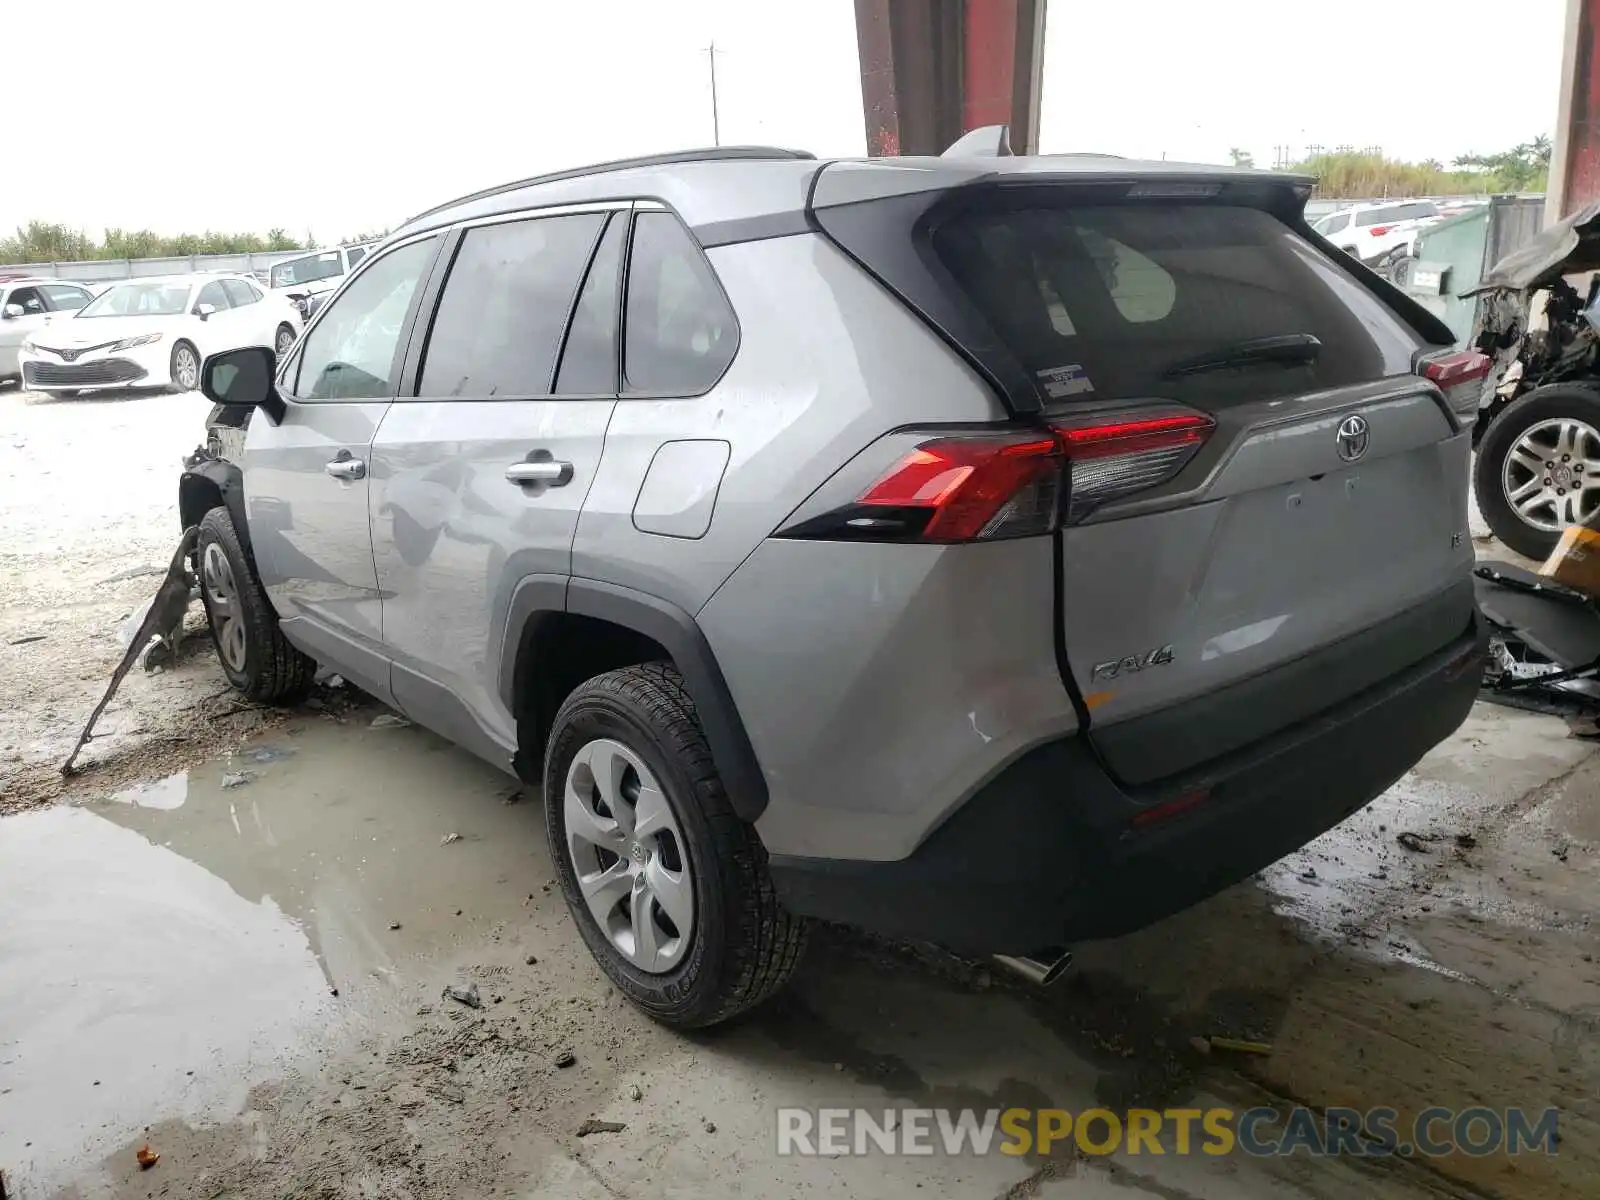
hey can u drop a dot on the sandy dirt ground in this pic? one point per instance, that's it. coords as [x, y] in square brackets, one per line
[88, 493]
[231, 948]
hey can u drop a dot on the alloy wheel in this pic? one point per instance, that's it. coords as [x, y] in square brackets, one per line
[222, 596]
[186, 368]
[628, 854]
[1551, 477]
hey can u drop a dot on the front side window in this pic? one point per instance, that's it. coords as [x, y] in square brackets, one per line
[354, 255]
[680, 333]
[214, 295]
[239, 292]
[150, 299]
[1334, 224]
[27, 299]
[350, 353]
[498, 326]
[64, 298]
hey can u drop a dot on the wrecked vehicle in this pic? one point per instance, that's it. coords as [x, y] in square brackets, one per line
[1538, 434]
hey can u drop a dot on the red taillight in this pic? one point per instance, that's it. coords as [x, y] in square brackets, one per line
[985, 486]
[1379, 230]
[974, 487]
[1460, 376]
[1111, 459]
[1451, 369]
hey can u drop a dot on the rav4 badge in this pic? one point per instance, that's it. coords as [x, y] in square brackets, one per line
[1159, 657]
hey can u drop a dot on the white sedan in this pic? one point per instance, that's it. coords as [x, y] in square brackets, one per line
[147, 333]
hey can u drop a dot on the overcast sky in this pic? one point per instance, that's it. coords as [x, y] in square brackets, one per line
[342, 116]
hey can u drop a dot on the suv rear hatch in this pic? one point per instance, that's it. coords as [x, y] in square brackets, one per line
[1265, 509]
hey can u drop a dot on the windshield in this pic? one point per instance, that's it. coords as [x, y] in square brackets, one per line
[139, 300]
[307, 270]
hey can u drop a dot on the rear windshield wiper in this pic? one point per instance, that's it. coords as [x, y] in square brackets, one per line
[1292, 349]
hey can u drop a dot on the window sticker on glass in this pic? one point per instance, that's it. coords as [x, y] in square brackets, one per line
[1070, 380]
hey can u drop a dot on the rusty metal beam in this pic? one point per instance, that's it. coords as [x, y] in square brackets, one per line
[1575, 158]
[933, 69]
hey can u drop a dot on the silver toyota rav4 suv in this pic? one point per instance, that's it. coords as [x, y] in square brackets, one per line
[992, 551]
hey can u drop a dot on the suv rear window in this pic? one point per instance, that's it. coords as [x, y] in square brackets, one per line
[1102, 302]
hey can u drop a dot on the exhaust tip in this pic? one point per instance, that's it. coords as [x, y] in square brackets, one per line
[1040, 971]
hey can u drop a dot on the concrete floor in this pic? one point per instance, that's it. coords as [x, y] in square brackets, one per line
[247, 979]
[215, 972]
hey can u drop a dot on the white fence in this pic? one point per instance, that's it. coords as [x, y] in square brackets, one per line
[101, 270]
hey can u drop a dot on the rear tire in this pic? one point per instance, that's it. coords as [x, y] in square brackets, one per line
[741, 944]
[1535, 420]
[255, 656]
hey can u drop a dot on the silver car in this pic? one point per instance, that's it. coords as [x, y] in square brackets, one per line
[993, 551]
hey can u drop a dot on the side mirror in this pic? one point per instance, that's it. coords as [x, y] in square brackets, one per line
[13, 311]
[204, 311]
[244, 377]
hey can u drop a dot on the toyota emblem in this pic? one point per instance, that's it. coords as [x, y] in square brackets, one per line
[1353, 437]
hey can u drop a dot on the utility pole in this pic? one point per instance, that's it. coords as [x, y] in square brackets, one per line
[716, 120]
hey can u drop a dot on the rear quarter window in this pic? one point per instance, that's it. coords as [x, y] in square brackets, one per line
[1101, 302]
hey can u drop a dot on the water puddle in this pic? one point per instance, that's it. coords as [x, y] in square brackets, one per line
[174, 945]
[166, 794]
[1405, 854]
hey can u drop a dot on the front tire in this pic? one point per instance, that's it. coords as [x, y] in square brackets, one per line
[185, 367]
[255, 656]
[668, 886]
[283, 342]
[1538, 467]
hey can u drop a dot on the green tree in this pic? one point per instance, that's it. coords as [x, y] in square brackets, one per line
[1351, 174]
[1241, 158]
[43, 241]
[1523, 168]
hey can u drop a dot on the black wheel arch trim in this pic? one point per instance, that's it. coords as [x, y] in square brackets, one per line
[194, 492]
[538, 598]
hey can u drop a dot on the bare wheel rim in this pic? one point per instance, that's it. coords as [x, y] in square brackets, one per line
[186, 368]
[629, 856]
[1551, 476]
[285, 340]
[222, 602]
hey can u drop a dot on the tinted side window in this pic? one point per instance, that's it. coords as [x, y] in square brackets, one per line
[354, 255]
[350, 353]
[239, 292]
[680, 333]
[1335, 223]
[1151, 286]
[589, 361]
[498, 326]
[63, 298]
[213, 295]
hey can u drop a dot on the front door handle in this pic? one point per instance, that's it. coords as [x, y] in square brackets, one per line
[547, 471]
[345, 466]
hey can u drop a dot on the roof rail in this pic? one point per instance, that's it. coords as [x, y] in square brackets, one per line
[712, 154]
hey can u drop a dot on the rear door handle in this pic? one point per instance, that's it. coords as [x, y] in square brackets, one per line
[346, 467]
[547, 471]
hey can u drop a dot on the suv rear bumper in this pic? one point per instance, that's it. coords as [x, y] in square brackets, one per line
[1047, 853]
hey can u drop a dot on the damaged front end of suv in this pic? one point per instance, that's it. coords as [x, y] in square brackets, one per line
[1538, 435]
